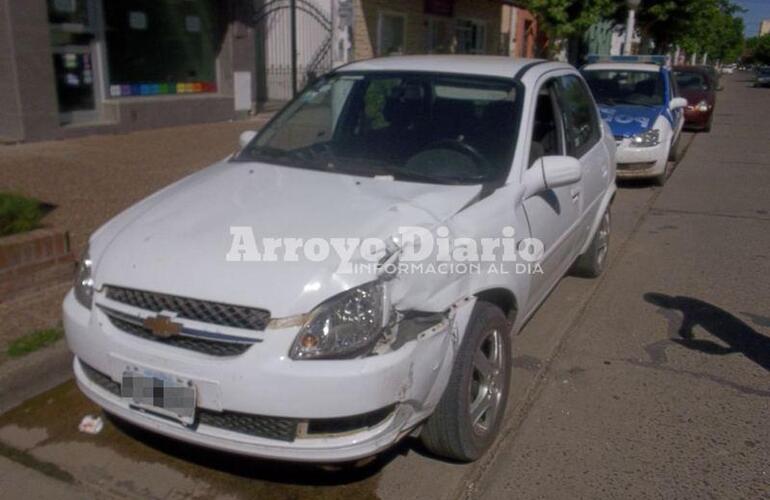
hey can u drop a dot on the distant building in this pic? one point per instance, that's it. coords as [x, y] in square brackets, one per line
[764, 27]
[519, 33]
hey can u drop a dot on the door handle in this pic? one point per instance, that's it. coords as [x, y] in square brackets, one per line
[575, 193]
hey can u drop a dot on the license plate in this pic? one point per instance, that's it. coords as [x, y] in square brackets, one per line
[161, 394]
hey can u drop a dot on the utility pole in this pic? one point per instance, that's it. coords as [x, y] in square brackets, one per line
[630, 25]
[293, 29]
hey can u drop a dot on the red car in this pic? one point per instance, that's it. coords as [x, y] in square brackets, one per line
[697, 85]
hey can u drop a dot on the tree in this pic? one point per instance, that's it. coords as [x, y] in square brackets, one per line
[759, 49]
[562, 19]
[716, 29]
[702, 26]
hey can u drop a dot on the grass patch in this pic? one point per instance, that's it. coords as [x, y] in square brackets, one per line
[19, 214]
[34, 342]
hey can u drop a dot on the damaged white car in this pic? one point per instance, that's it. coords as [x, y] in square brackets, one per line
[354, 274]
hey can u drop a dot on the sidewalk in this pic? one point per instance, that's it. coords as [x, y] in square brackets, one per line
[90, 180]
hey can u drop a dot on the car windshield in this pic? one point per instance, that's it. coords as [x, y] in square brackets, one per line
[411, 126]
[613, 87]
[690, 80]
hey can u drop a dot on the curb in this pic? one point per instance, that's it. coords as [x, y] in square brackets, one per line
[21, 379]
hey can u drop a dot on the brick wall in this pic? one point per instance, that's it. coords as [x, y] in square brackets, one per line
[367, 12]
[32, 260]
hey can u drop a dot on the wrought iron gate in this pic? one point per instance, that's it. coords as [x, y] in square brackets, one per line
[294, 41]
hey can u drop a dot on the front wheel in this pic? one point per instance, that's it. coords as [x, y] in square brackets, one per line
[675, 153]
[660, 179]
[468, 417]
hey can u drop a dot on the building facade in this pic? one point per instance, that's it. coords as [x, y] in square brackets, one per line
[77, 67]
[764, 27]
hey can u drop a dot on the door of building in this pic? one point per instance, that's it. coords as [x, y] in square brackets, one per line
[73, 47]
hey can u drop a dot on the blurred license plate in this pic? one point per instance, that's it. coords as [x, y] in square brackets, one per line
[162, 394]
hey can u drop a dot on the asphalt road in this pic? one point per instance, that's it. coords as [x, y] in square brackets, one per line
[650, 382]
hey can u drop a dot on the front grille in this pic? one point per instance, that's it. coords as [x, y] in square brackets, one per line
[279, 428]
[101, 379]
[205, 346]
[349, 424]
[636, 166]
[216, 313]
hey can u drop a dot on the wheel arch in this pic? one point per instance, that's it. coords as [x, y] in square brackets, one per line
[503, 298]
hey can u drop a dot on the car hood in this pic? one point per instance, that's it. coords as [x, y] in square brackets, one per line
[176, 241]
[629, 120]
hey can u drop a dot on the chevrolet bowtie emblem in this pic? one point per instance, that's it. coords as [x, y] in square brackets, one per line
[162, 326]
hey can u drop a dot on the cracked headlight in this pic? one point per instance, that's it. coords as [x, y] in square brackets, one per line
[646, 139]
[345, 326]
[84, 283]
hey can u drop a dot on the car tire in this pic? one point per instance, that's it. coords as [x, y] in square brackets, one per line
[675, 153]
[593, 262]
[660, 179]
[468, 417]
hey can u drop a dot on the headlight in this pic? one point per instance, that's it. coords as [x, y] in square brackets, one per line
[344, 326]
[703, 106]
[84, 283]
[646, 139]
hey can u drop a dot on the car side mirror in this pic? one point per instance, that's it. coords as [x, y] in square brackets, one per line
[677, 103]
[246, 137]
[550, 172]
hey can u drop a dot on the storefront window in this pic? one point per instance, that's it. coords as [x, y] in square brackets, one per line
[392, 34]
[471, 37]
[74, 13]
[441, 36]
[455, 36]
[157, 47]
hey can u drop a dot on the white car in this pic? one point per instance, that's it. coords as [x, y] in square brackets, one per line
[183, 323]
[640, 103]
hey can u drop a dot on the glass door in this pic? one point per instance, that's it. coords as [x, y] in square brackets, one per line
[73, 45]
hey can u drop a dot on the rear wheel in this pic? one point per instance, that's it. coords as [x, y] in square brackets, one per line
[592, 263]
[468, 417]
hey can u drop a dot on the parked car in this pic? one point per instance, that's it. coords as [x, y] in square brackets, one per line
[182, 325]
[728, 69]
[639, 102]
[697, 86]
[763, 77]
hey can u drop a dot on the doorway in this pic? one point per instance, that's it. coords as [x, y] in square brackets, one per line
[74, 49]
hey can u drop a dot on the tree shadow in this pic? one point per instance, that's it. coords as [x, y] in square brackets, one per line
[739, 336]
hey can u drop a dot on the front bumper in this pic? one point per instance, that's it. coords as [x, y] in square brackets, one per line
[698, 120]
[263, 381]
[635, 162]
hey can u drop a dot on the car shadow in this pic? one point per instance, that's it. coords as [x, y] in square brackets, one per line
[274, 471]
[731, 330]
[642, 183]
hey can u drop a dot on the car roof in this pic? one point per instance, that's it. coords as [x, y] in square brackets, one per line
[498, 66]
[654, 68]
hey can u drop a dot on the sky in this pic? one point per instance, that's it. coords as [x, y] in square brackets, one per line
[757, 11]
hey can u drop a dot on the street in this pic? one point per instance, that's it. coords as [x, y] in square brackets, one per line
[652, 381]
